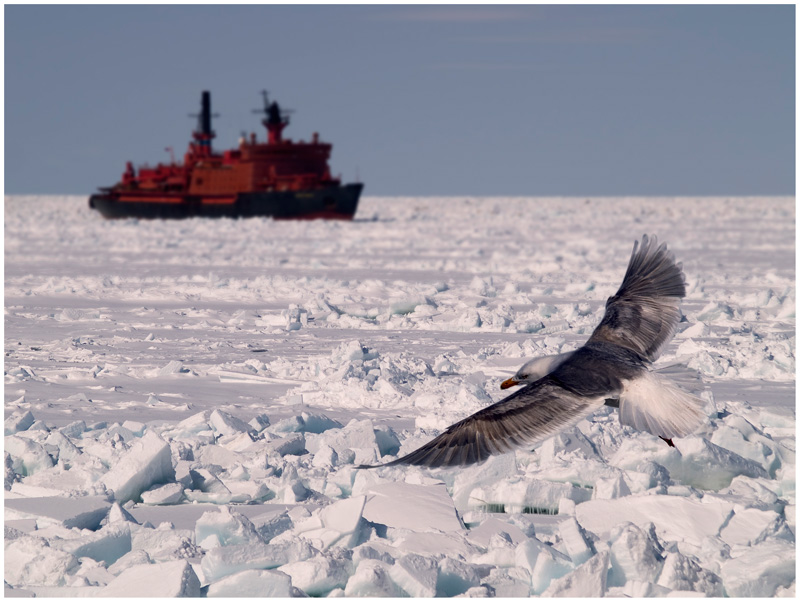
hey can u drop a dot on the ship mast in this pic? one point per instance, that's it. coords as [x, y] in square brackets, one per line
[276, 119]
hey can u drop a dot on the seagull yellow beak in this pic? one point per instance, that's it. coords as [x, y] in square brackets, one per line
[508, 383]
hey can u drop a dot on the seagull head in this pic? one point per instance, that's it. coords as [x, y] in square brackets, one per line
[535, 369]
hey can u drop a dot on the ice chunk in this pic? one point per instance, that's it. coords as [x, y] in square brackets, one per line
[259, 423]
[750, 526]
[753, 446]
[107, 545]
[192, 425]
[542, 562]
[483, 475]
[18, 421]
[483, 533]
[452, 544]
[416, 575]
[587, 581]
[635, 555]
[371, 580]
[777, 417]
[567, 443]
[715, 311]
[456, 577]
[320, 574]
[67, 452]
[173, 367]
[291, 445]
[349, 351]
[165, 543]
[292, 424]
[171, 493]
[82, 512]
[31, 561]
[610, 488]
[28, 457]
[146, 463]
[295, 317]
[433, 508]
[41, 425]
[224, 528]
[344, 517]
[501, 551]
[91, 572]
[374, 550]
[206, 482]
[508, 583]
[60, 482]
[705, 465]
[117, 514]
[534, 496]
[130, 559]
[289, 487]
[134, 426]
[248, 491]
[325, 457]
[407, 306]
[639, 589]
[754, 493]
[272, 523]
[175, 579]
[682, 573]
[696, 330]
[357, 440]
[759, 571]
[675, 518]
[574, 540]
[252, 584]
[219, 562]
[388, 443]
[227, 425]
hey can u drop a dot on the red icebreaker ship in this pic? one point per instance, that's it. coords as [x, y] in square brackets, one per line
[278, 178]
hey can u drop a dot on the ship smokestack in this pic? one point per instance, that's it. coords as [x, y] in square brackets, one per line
[204, 134]
[205, 114]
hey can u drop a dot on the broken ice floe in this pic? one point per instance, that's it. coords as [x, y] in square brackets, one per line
[396, 332]
[392, 531]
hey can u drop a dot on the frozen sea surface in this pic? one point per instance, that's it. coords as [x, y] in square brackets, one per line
[185, 402]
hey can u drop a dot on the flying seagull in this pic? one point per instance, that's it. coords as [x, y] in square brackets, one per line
[539, 367]
[614, 364]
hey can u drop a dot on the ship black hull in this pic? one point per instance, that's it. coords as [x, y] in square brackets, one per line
[328, 203]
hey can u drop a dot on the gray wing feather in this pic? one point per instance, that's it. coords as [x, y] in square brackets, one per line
[688, 378]
[643, 315]
[525, 418]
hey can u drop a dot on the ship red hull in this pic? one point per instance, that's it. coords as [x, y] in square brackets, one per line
[339, 202]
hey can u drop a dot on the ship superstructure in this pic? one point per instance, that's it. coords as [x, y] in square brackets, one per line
[277, 177]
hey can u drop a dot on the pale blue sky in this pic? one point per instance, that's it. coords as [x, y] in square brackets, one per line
[417, 100]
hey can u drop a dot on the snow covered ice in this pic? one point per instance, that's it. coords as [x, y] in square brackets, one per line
[185, 403]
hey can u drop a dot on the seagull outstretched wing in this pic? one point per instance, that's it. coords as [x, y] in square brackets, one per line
[643, 314]
[525, 418]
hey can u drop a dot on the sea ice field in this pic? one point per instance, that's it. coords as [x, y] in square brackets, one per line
[186, 402]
